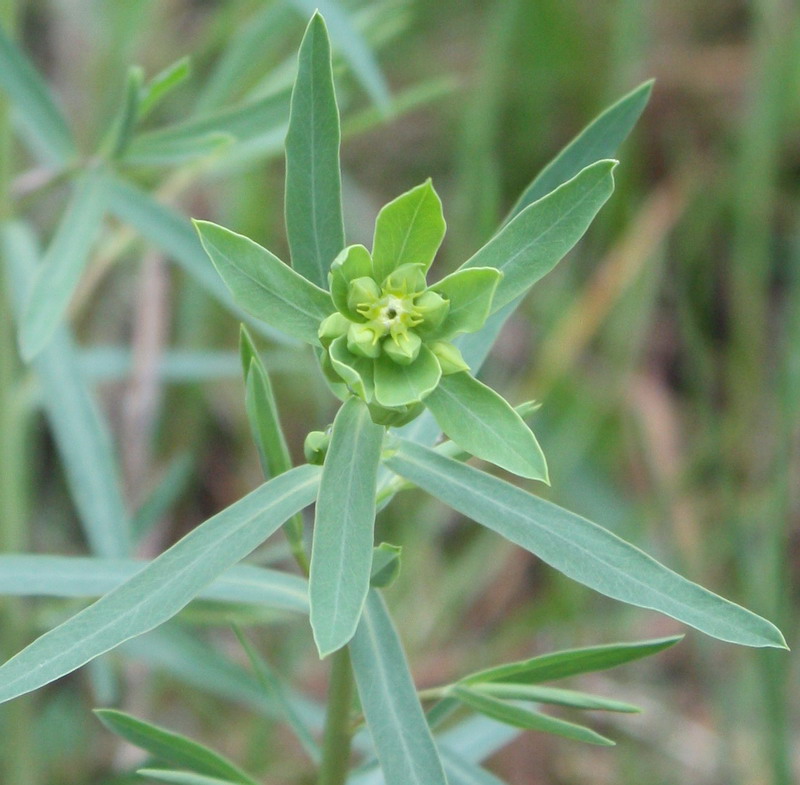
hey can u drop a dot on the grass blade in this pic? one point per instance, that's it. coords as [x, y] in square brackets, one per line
[600, 139]
[63, 263]
[580, 549]
[314, 222]
[341, 555]
[162, 588]
[400, 734]
[80, 432]
[46, 129]
[172, 748]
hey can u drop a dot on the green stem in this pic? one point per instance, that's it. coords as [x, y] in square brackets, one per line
[338, 734]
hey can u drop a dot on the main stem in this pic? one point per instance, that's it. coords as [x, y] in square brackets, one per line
[338, 734]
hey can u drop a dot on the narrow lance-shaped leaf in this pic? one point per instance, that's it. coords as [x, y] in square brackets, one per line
[526, 718]
[552, 695]
[400, 734]
[314, 223]
[162, 84]
[600, 139]
[182, 777]
[408, 230]
[571, 662]
[42, 575]
[538, 238]
[481, 422]
[46, 129]
[263, 285]
[580, 549]
[341, 557]
[63, 263]
[163, 588]
[171, 747]
[81, 434]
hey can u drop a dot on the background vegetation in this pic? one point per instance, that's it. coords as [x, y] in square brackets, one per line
[665, 352]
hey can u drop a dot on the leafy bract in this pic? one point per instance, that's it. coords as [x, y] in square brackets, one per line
[399, 385]
[46, 129]
[172, 748]
[63, 262]
[314, 223]
[519, 717]
[481, 422]
[470, 293]
[532, 243]
[580, 549]
[341, 557]
[263, 285]
[164, 587]
[400, 734]
[408, 230]
[600, 139]
[571, 662]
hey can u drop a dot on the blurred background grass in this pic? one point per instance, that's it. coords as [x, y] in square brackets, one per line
[665, 351]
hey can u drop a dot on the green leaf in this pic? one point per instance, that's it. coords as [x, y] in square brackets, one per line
[81, 434]
[182, 777]
[400, 734]
[600, 139]
[122, 126]
[163, 588]
[580, 549]
[351, 45]
[314, 223]
[385, 565]
[552, 695]
[408, 230]
[277, 694]
[45, 128]
[463, 772]
[399, 385]
[63, 263]
[356, 372]
[571, 662]
[353, 262]
[341, 555]
[263, 285]
[481, 422]
[172, 484]
[470, 293]
[532, 243]
[162, 84]
[525, 718]
[171, 747]
[42, 575]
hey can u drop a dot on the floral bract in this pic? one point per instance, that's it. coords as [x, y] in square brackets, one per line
[390, 339]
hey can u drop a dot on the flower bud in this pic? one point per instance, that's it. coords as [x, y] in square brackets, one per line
[406, 279]
[316, 446]
[332, 327]
[362, 340]
[432, 308]
[449, 357]
[402, 347]
[362, 292]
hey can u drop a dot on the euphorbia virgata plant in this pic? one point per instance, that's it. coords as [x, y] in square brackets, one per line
[401, 349]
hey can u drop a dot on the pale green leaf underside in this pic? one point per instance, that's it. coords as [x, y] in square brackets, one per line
[408, 230]
[164, 587]
[552, 695]
[481, 422]
[172, 748]
[62, 264]
[600, 139]
[532, 244]
[314, 223]
[341, 556]
[520, 717]
[45, 127]
[24, 575]
[400, 734]
[571, 662]
[263, 285]
[580, 549]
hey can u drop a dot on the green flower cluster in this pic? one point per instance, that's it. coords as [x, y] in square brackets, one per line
[390, 339]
